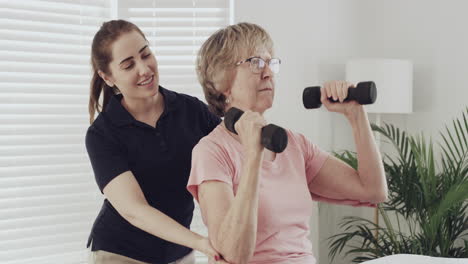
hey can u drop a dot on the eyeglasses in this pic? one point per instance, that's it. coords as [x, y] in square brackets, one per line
[257, 64]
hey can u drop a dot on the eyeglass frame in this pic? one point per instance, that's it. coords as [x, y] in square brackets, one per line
[261, 69]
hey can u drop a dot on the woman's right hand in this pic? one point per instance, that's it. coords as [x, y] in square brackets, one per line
[204, 246]
[249, 128]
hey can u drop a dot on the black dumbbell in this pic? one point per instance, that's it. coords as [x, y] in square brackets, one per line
[273, 137]
[364, 93]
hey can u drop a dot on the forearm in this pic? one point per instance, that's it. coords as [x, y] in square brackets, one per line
[370, 167]
[155, 222]
[236, 235]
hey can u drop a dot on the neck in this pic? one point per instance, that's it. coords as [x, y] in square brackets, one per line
[141, 108]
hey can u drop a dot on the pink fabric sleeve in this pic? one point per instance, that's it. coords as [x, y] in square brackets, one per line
[209, 163]
[314, 160]
[314, 157]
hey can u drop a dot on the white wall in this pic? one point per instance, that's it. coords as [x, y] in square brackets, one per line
[433, 34]
[314, 39]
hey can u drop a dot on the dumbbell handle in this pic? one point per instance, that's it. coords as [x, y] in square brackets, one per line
[364, 93]
[273, 137]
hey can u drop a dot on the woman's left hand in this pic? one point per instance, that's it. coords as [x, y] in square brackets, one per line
[204, 246]
[338, 91]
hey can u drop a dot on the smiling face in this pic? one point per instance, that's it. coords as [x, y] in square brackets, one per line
[252, 91]
[134, 70]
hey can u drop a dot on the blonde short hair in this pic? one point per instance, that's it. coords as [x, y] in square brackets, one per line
[217, 58]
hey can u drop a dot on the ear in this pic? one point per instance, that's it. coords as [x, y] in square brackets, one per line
[107, 79]
[227, 88]
[230, 77]
[227, 95]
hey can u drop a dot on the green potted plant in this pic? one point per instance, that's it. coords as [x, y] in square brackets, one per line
[428, 199]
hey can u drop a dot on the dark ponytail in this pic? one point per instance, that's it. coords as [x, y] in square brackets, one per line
[98, 86]
[101, 56]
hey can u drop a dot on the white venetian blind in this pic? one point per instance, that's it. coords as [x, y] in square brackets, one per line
[176, 29]
[48, 196]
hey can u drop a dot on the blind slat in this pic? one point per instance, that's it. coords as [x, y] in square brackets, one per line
[7, 151]
[16, 24]
[47, 37]
[35, 98]
[45, 57]
[40, 47]
[53, 78]
[46, 170]
[40, 139]
[54, 238]
[31, 181]
[45, 253]
[41, 201]
[42, 160]
[45, 89]
[31, 232]
[48, 220]
[76, 129]
[57, 69]
[40, 109]
[43, 211]
[45, 189]
[58, 7]
[35, 118]
[28, 15]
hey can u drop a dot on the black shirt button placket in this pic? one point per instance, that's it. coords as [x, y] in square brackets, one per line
[162, 143]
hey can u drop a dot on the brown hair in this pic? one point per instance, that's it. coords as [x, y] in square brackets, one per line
[101, 56]
[218, 55]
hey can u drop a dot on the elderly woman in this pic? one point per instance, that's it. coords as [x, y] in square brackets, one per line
[256, 203]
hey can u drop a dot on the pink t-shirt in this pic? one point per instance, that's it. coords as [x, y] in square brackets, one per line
[284, 206]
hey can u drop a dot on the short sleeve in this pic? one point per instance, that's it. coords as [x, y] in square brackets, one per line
[108, 158]
[314, 157]
[209, 163]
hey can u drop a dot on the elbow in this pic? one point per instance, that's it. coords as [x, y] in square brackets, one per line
[384, 196]
[378, 189]
[134, 215]
[232, 252]
[376, 196]
[380, 196]
[131, 217]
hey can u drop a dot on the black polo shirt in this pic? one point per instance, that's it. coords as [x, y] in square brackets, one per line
[160, 160]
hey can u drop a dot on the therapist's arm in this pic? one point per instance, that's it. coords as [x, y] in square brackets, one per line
[126, 196]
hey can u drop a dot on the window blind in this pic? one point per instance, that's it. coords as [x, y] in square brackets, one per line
[48, 197]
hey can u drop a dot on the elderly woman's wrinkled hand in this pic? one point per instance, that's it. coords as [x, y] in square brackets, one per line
[337, 91]
[249, 128]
